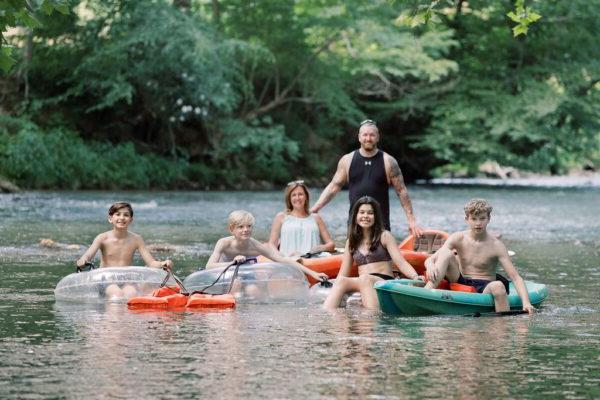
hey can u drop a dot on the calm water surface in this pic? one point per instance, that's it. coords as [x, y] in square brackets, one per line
[56, 350]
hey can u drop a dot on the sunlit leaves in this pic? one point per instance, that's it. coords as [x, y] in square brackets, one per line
[22, 13]
[6, 61]
[523, 16]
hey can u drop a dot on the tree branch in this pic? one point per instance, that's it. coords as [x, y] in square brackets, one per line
[582, 90]
[280, 97]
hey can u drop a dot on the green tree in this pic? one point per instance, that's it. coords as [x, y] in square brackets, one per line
[530, 103]
[14, 13]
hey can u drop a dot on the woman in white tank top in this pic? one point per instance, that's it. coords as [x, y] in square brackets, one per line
[296, 231]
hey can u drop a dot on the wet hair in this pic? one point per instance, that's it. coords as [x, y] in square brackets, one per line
[478, 206]
[118, 205]
[238, 217]
[288, 195]
[355, 232]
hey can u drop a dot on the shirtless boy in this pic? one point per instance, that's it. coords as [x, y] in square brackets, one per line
[240, 246]
[118, 246]
[470, 257]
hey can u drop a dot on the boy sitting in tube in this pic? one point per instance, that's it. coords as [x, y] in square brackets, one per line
[241, 246]
[117, 248]
[470, 258]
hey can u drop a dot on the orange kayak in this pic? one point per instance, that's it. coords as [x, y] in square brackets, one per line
[414, 250]
[417, 250]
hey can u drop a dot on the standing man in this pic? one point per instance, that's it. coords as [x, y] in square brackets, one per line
[369, 172]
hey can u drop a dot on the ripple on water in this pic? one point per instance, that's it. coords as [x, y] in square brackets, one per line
[294, 351]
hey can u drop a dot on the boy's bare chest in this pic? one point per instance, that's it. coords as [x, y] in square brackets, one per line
[118, 247]
[478, 255]
[234, 250]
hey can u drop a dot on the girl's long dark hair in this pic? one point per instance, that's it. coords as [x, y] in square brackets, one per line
[355, 232]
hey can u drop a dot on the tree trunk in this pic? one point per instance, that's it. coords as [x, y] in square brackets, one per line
[27, 61]
[216, 9]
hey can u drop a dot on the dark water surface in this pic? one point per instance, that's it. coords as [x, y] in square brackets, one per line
[58, 350]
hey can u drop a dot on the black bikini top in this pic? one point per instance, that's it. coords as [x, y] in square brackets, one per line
[379, 254]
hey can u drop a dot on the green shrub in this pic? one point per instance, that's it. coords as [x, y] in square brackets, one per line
[59, 159]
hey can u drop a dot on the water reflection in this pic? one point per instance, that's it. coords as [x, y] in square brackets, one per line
[478, 355]
[53, 350]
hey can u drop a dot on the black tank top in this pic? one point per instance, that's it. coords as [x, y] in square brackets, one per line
[367, 177]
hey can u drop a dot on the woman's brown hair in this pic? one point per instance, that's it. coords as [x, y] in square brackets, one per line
[288, 195]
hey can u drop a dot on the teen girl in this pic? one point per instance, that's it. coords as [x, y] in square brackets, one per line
[374, 250]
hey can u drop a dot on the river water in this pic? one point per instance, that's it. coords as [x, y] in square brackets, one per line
[72, 351]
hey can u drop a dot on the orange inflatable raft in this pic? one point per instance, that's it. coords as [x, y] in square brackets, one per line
[171, 298]
[414, 250]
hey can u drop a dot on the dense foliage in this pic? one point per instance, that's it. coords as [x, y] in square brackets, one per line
[161, 94]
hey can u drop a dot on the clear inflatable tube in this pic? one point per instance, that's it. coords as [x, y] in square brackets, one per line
[115, 284]
[255, 283]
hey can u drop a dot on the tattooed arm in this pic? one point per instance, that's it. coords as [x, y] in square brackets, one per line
[396, 179]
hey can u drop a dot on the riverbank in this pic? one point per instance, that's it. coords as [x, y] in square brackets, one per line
[579, 179]
[576, 180]
[8, 187]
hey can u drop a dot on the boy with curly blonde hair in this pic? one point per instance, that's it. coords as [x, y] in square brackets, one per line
[470, 258]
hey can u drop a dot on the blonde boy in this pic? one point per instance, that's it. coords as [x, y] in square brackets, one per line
[470, 257]
[241, 245]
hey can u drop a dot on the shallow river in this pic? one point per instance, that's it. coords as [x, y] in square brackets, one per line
[57, 350]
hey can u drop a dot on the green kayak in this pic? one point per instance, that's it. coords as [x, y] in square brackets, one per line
[405, 297]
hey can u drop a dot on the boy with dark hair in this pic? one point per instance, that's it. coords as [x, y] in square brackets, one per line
[118, 246]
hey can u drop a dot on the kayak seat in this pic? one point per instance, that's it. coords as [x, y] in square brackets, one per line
[458, 287]
[429, 242]
[444, 284]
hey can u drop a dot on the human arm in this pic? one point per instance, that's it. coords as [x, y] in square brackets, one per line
[276, 256]
[275, 235]
[148, 259]
[389, 242]
[90, 253]
[327, 243]
[347, 261]
[436, 266]
[397, 181]
[515, 277]
[337, 183]
[213, 260]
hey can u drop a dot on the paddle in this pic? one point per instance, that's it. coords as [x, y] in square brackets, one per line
[497, 313]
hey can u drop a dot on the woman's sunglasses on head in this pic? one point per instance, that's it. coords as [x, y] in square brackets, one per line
[300, 182]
